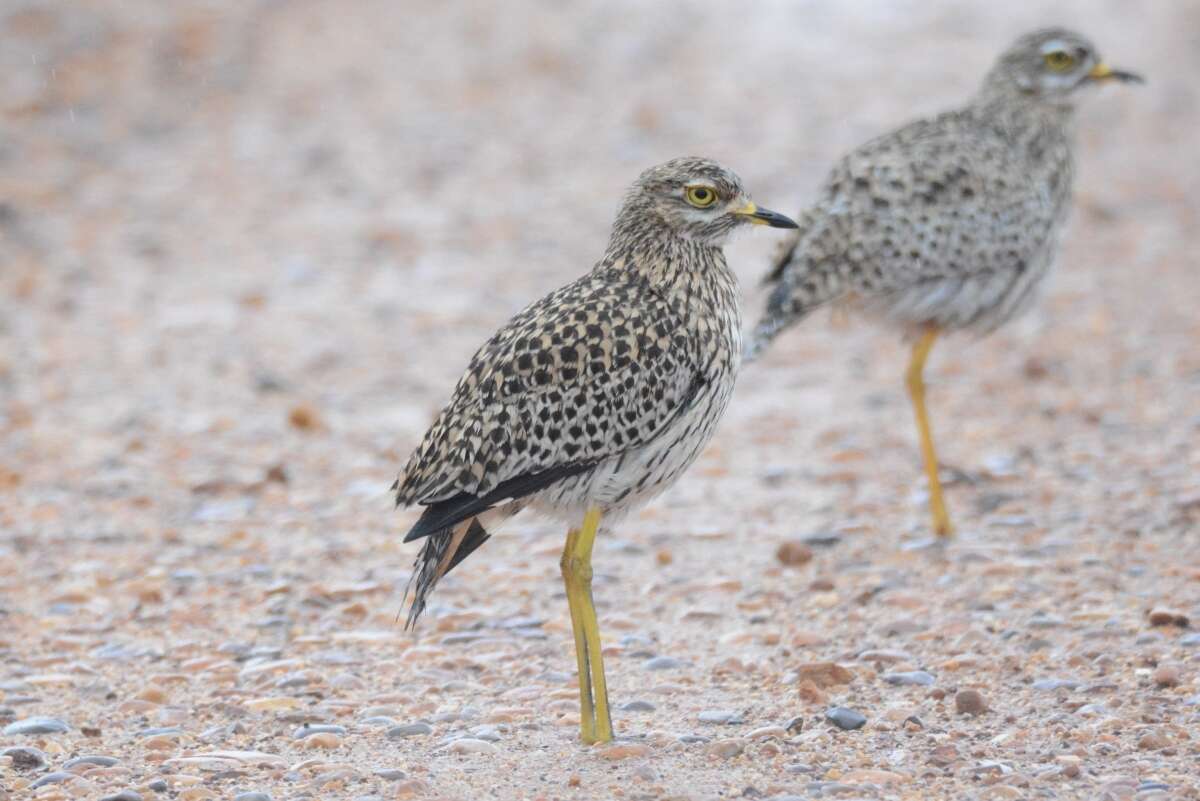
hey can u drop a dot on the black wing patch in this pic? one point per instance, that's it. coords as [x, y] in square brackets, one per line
[445, 514]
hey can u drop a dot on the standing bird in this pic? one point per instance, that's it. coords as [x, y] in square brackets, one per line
[948, 223]
[595, 398]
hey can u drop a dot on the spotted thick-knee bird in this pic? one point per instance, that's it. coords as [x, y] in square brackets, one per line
[595, 398]
[948, 223]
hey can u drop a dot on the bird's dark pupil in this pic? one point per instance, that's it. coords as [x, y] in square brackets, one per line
[702, 194]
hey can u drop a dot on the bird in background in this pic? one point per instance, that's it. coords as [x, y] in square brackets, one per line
[949, 223]
[593, 399]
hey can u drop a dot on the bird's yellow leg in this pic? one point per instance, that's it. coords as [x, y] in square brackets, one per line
[587, 712]
[915, 379]
[591, 626]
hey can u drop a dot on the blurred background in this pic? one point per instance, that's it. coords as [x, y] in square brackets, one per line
[247, 247]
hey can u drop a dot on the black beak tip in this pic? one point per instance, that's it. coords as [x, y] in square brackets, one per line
[1125, 76]
[775, 219]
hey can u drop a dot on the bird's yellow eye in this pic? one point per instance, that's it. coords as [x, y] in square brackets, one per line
[1059, 60]
[701, 196]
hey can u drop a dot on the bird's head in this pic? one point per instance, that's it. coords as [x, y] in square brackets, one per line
[1051, 66]
[695, 199]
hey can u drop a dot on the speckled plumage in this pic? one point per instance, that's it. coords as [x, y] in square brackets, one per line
[950, 222]
[601, 393]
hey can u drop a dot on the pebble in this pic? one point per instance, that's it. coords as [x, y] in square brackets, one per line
[418, 729]
[638, 706]
[1057, 684]
[910, 678]
[53, 778]
[1190, 640]
[158, 785]
[767, 732]
[1161, 616]
[124, 795]
[471, 745]
[872, 776]
[379, 720]
[618, 751]
[846, 719]
[101, 761]
[391, 774]
[885, 655]
[25, 758]
[822, 539]
[728, 748]
[798, 767]
[308, 730]
[795, 725]
[253, 795]
[1153, 741]
[970, 702]
[324, 739]
[664, 663]
[719, 716]
[824, 674]
[1167, 675]
[36, 726]
[793, 553]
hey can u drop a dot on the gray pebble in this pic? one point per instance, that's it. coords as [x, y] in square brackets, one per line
[693, 738]
[391, 774]
[124, 795]
[52, 778]
[152, 732]
[1190, 640]
[664, 663]
[158, 785]
[379, 720]
[909, 678]
[822, 539]
[253, 795]
[25, 758]
[102, 761]
[721, 716]
[638, 706]
[1057, 684]
[36, 726]
[846, 719]
[1152, 785]
[795, 725]
[799, 767]
[317, 728]
[1046, 622]
[417, 729]
[486, 732]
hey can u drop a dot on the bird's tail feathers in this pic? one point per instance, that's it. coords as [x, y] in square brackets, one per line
[441, 553]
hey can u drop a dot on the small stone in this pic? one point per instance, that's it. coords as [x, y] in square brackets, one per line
[417, 729]
[795, 725]
[870, 776]
[846, 719]
[124, 795]
[719, 716]
[1153, 741]
[308, 730]
[391, 774]
[101, 761]
[471, 745]
[325, 740]
[53, 778]
[885, 655]
[909, 678]
[1190, 640]
[970, 702]
[767, 732]
[272, 704]
[645, 773]
[824, 674]
[822, 539]
[793, 553]
[664, 663]
[25, 758]
[638, 706]
[617, 752]
[36, 726]
[158, 785]
[1161, 616]
[1167, 675]
[728, 748]
[1001, 792]
[1057, 684]
[253, 795]
[411, 788]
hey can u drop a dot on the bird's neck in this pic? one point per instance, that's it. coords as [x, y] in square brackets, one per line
[1043, 129]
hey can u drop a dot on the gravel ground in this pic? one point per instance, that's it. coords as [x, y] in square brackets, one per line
[245, 250]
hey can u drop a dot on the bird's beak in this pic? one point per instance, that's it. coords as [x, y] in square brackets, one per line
[754, 214]
[1103, 72]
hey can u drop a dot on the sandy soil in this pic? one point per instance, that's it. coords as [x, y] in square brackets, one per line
[245, 250]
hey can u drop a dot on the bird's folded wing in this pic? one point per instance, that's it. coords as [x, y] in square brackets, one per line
[587, 373]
